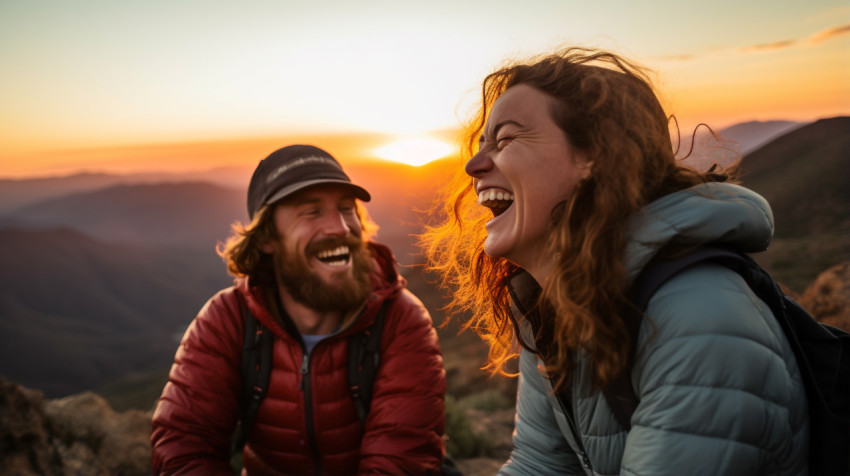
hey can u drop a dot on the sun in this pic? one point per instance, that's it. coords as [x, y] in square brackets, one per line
[414, 151]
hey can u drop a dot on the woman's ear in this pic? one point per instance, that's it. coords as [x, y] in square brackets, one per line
[586, 168]
[584, 165]
[267, 247]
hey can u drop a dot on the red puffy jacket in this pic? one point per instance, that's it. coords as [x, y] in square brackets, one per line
[199, 407]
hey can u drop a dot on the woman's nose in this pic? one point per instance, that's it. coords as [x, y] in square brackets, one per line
[478, 164]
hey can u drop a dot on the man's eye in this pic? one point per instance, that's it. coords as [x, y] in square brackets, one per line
[312, 212]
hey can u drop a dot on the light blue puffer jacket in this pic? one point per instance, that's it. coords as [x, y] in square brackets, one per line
[720, 392]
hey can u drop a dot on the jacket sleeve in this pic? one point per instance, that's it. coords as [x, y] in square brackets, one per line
[406, 420]
[539, 447]
[719, 390]
[197, 413]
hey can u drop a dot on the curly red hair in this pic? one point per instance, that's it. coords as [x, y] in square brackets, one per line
[607, 109]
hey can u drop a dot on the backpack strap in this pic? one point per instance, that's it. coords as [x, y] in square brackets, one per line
[363, 359]
[620, 393]
[256, 373]
[364, 356]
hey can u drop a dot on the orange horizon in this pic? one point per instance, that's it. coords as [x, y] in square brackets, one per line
[201, 155]
[196, 155]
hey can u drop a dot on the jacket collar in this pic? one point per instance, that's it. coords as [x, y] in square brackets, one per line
[524, 292]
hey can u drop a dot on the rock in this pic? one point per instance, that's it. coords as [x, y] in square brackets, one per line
[828, 297]
[25, 447]
[79, 435]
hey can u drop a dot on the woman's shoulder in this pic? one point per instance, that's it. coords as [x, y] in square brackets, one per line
[708, 300]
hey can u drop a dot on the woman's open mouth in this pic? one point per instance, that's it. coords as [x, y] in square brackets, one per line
[497, 200]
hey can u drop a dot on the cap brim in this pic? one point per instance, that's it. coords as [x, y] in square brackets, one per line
[359, 191]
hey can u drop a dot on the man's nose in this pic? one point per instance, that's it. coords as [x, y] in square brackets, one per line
[335, 224]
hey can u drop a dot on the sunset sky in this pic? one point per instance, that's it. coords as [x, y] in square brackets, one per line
[121, 86]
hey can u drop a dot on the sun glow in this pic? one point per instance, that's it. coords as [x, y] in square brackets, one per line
[415, 151]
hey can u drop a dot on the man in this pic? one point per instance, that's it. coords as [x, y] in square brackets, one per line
[307, 270]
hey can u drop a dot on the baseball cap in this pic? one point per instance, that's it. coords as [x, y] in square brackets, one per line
[293, 168]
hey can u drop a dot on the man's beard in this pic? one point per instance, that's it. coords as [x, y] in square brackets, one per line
[308, 288]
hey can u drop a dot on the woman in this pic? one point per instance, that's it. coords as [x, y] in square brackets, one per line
[574, 188]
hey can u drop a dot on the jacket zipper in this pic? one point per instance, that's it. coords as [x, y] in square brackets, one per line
[306, 387]
[568, 413]
[582, 453]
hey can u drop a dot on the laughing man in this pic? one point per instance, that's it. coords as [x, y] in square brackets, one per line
[307, 270]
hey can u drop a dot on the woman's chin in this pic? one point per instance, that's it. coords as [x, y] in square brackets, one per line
[495, 248]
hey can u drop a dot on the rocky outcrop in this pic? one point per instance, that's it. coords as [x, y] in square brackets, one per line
[79, 435]
[828, 297]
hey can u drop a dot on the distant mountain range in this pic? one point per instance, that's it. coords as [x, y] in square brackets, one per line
[188, 214]
[754, 134]
[100, 274]
[76, 312]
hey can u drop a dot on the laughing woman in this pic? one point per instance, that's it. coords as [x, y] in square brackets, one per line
[571, 189]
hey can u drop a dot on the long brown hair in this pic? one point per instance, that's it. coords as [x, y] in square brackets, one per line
[607, 109]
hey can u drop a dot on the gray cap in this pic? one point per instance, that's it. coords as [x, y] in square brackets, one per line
[293, 168]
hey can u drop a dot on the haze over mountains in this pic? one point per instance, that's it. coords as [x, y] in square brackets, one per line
[101, 273]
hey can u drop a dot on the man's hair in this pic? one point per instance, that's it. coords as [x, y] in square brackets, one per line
[242, 251]
[607, 110]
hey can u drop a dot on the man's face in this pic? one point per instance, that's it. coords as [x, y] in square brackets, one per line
[320, 257]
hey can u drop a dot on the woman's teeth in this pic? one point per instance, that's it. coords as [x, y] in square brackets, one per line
[492, 194]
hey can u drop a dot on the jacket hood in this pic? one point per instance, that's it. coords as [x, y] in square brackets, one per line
[385, 281]
[719, 213]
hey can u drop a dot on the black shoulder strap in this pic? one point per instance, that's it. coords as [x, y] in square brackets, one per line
[364, 355]
[363, 359]
[620, 393]
[256, 372]
[657, 273]
[821, 351]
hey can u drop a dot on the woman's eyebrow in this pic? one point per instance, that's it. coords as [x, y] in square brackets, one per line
[504, 123]
[499, 126]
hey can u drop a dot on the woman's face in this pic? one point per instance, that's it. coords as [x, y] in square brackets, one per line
[524, 167]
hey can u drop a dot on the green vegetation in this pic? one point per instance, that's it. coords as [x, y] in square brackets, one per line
[139, 391]
[489, 400]
[462, 441]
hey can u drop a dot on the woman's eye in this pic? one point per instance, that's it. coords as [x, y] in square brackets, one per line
[503, 141]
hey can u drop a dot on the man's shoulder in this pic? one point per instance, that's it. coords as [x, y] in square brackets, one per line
[404, 313]
[406, 301]
[227, 294]
[231, 298]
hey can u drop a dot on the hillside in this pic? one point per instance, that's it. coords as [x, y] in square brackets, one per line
[97, 309]
[19, 193]
[174, 212]
[77, 313]
[192, 215]
[754, 134]
[804, 175]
